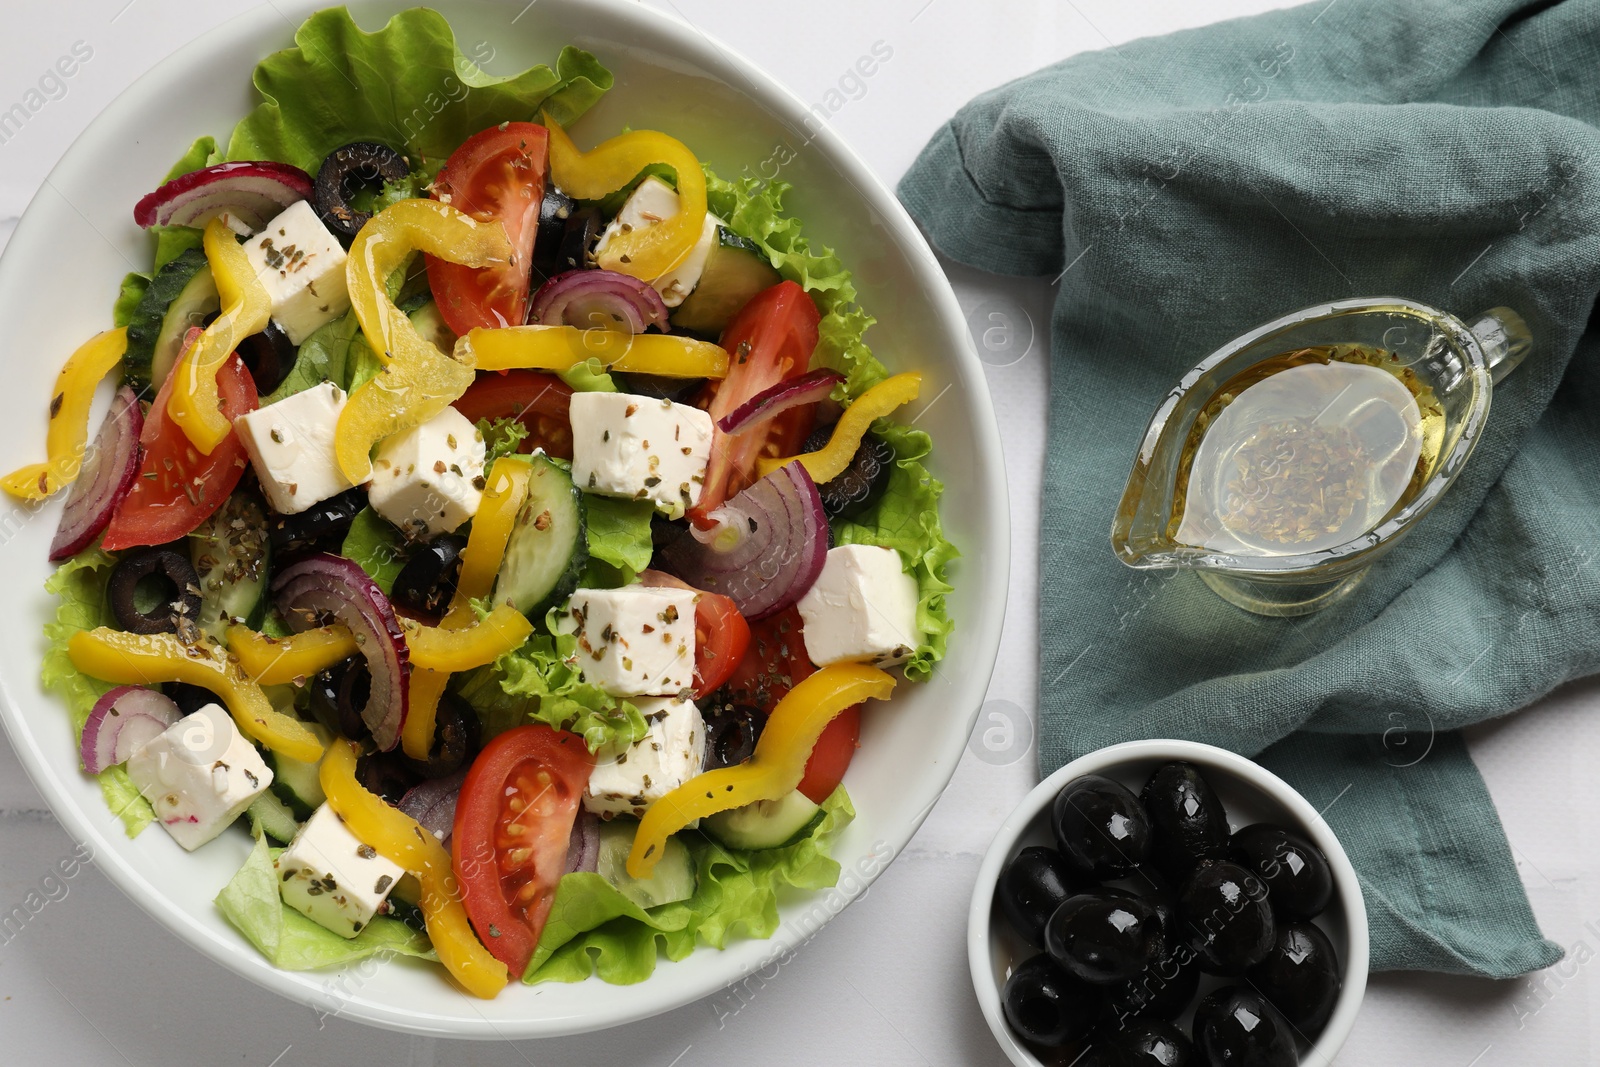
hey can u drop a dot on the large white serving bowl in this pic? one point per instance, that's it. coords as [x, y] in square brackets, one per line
[57, 280]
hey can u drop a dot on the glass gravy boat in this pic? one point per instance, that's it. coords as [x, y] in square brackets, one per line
[1448, 367]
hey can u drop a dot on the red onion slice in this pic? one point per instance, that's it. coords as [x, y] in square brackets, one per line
[583, 850]
[311, 591]
[766, 548]
[252, 191]
[769, 403]
[110, 466]
[598, 298]
[432, 802]
[122, 722]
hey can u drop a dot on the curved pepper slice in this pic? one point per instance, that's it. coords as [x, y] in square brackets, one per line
[399, 839]
[504, 491]
[650, 252]
[830, 461]
[440, 648]
[560, 348]
[776, 768]
[417, 381]
[246, 308]
[146, 659]
[280, 660]
[69, 417]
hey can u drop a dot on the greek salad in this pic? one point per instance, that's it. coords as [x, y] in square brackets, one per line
[507, 532]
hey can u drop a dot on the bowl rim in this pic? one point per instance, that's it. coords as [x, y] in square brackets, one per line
[640, 28]
[1347, 884]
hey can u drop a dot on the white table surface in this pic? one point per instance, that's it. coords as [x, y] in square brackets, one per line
[93, 980]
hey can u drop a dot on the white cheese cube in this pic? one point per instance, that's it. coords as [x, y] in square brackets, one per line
[332, 877]
[863, 606]
[634, 641]
[629, 778]
[290, 444]
[301, 265]
[199, 775]
[655, 201]
[429, 479]
[640, 448]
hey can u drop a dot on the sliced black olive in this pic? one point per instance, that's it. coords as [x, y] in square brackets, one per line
[386, 774]
[456, 732]
[862, 483]
[664, 531]
[1103, 937]
[1236, 1027]
[1048, 1006]
[1300, 976]
[1152, 1043]
[345, 172]
[154, 591]
[1228, 920]
[731, 733]
[1032, 886]
[189, 698]
[428, 580]
[320, 527]
[269, 357]
[554, 211]
[1295, 870]
[677, 390]
[339, 693]
[1100, 827]
[1187, 820]
[579, 233]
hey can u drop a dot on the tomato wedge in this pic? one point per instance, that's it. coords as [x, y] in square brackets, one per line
[721, 637]
[541, 402]
[496, 174]
[770, 339]
[512, 828]
[177, 488]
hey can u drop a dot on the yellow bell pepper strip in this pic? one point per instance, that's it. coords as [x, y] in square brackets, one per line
[440, 648]
[776, 768]
[504, 491]
[418, 380]
[646, 252]
[830, 461]
[282, 660]
[146, 659]
[246, 308]
[560, 348]
[69, 418]
[399, 839]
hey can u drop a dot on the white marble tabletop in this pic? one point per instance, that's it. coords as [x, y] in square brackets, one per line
[93, 980]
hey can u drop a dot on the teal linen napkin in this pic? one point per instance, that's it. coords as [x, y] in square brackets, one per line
[1188, 188]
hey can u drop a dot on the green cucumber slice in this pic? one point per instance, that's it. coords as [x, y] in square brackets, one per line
[297, 784]
[764, 824]
[735, 271]
[546, 551]
[273, 817]
[673, 877]
[230, 554]
[181, 295]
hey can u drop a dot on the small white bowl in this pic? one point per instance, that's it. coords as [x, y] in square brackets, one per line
[1250, 793]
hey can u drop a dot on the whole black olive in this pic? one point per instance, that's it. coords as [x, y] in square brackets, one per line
[864, 480]
[1295, 870]
[456, 734]
[1100, 827]
[1300, 976]
[190, 698]
[1228, 920]
[1163, 990]
[731, 733]
[155, 591]
[1187, 821]
[386, 774]
[428, 580]
[339, 693]
[1030, 889]
[554, 211]
[269, 356]
[319, 528]
[1104, 937]
[1235, 1027]
[1046, 1005]
[657, 387]
[345, 172]
[1153, 1043]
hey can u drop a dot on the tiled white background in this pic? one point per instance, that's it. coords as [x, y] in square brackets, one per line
[92, 980]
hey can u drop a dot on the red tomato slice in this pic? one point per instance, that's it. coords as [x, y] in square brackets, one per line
[770, 339]
[178, 488]
[541, 402]
[512, 828]
[497, 174]
[721, 634]
[832, 755]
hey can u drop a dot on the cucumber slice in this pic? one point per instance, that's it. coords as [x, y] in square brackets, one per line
[273, 817]
[673, 877]
[230, 554]
[297, 784]
[764, 824]
[735, 271]
[431, 326]
[546, 551]
[181, 295]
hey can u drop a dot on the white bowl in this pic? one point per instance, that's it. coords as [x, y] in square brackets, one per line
[57, 281]
[1249, 792]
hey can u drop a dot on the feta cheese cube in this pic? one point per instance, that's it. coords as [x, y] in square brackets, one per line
[332, 877]
[629, 778]
[301, 265]
[634, 641]
[199, 774]
[655, 201]
[429, 479]
[863, 606]
[290, 444]
[640, 448]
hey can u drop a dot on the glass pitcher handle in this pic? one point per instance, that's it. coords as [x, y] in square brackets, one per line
[1504, 338]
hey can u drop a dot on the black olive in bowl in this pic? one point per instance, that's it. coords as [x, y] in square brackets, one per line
[1100, 827]
[1031, 888]
[1300, 976]
[1104, 937]
[1048, 1006]
[1225, 912]
[1235, 1027]
[1295, 871]
[1187, 821]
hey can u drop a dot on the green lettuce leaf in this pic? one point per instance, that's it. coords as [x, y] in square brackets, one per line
[593, 929]
[173, 241]
[500, 438]
[322, 357]
[618, 535]
[408, 85]
[128, 297]
[377, 546]
[250, 901]
[80, 583]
